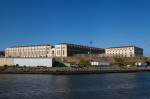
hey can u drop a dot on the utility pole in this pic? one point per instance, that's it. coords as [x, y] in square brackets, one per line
[148, 54]
[90, 50]
[61, 55]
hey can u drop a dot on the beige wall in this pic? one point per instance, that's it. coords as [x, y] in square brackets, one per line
[52, 53]
[6, 61]
[61, 50]
[64, 50]
[124, 52]
[28, 51]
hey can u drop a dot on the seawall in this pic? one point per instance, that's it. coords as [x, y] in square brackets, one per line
[71, 70]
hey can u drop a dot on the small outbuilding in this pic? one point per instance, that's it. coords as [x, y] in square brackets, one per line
[100, 63]
[141, 64]
[27, 61]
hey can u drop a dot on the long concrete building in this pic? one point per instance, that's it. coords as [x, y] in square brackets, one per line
[66, 49]
[28, 51]
[124, 51]
[60, 50]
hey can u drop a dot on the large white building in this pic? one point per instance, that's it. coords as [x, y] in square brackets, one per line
[60, 50]
[125, 51]
[29, 51]
[66, 49]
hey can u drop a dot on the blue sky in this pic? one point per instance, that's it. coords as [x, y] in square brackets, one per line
[108, 23]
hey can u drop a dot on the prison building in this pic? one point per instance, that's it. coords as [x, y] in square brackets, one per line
[66, 49]
[124, 51]
[28, 51]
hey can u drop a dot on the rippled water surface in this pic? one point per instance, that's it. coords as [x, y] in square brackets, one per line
[88, 86]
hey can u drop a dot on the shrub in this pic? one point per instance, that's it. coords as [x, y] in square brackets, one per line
[132, 63]
[148, 63]
[119, 60]
[126, 63]
[84, 63]
[5, 65]
[122, 67]
[17, 65]
[72, 63]
[120, 64]
[145, 58]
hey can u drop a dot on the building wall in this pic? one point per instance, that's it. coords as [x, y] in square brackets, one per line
[28, 51]
[52, 53]
[64, 50]
[130, 51]
[6, 61]
[138, 52]
[61, 50]
[33, 62]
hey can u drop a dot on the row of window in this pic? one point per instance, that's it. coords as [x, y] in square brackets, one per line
[120, 49]
[59, 52]
[60, 47]
[26, 51]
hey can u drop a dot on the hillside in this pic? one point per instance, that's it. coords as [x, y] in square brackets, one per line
[112, 60]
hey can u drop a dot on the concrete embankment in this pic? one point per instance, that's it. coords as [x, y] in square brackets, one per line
[71, 70]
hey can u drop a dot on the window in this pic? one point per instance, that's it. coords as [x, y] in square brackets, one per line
[63, 52]
[58, 52]
[52, 52]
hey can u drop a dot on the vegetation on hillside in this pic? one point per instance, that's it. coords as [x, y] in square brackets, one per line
[84, 63]
[121, 62]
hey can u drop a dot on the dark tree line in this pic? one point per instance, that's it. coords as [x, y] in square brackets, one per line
[2, 53]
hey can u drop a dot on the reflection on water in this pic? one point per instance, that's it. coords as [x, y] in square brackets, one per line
[90, 86]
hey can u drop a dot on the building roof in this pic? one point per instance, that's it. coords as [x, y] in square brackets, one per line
[78, 45]
[31, 45]
[29, 57]
[121, 47]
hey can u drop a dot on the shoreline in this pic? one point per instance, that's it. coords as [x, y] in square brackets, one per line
[71, 70]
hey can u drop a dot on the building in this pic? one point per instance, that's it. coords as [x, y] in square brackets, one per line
[29, 51]
[66, 49]
[29, 62]
[125, 51]
[60, 50]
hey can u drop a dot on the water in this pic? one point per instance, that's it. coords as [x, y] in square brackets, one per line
[88, 86]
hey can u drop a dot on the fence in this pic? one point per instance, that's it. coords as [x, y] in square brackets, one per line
[107, 55]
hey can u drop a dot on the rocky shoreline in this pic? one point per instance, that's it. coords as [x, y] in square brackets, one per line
[71, 70]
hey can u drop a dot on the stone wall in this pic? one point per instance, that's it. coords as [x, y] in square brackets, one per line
[6, 61]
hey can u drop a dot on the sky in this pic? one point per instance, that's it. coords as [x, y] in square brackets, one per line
[107, 23]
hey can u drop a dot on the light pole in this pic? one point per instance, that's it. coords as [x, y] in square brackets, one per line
[90, 50]
[61, 55]
[148, 54]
